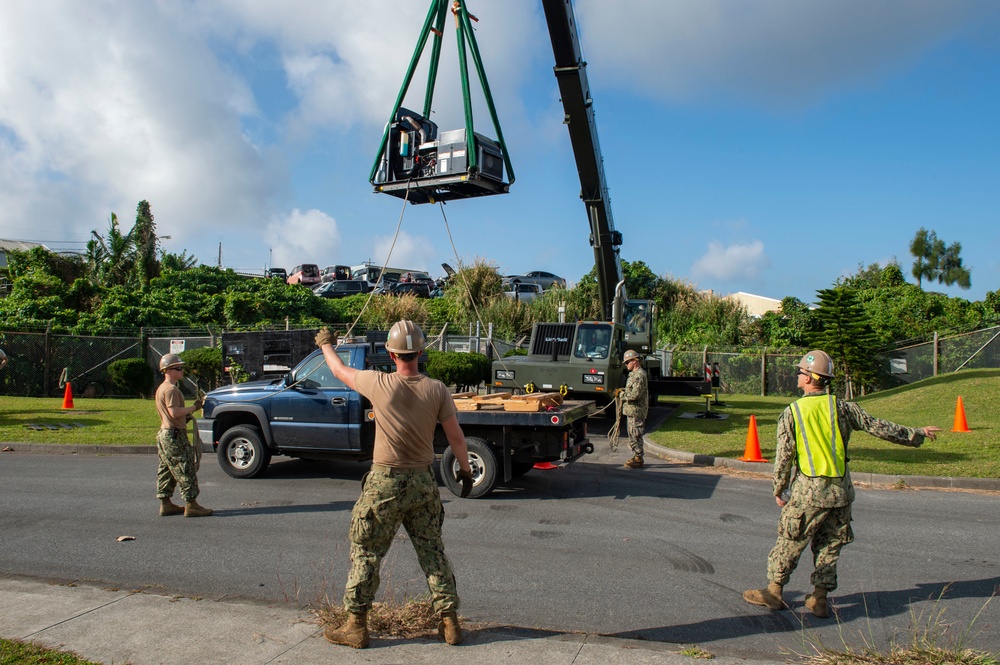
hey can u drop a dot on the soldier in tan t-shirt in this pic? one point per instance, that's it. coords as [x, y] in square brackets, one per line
[178, 459]
[401, 488]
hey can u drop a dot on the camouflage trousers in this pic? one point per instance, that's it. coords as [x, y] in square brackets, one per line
[636, 428]
[828, 529]
[178, 465]
[392, 497]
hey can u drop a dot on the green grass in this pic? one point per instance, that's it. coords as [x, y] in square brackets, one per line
[23, 653]
[974, 454]
[92, 421]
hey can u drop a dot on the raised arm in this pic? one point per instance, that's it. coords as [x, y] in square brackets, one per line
[327, 342]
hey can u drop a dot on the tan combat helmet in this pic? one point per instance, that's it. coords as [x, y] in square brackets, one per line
[170, 361]
[818, 364]
[630, 355]
[406, 337]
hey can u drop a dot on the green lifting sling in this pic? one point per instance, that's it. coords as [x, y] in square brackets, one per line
[421, 164]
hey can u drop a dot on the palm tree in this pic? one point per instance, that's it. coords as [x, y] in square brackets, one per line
[110, 260]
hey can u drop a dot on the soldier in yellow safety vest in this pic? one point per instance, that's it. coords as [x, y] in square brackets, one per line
[813, 433]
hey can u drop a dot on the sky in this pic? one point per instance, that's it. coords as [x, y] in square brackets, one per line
[749, 145]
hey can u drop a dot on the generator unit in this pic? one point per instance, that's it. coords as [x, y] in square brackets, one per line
[423, 165]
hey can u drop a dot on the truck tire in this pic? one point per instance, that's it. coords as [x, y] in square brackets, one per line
[483, 461]
[242, 452]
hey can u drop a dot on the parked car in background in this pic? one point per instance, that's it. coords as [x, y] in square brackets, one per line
[418, 289]
[340, 288]
[306, 274]
[277, 273]
[546, 280]
[523, 291]
[331, 273]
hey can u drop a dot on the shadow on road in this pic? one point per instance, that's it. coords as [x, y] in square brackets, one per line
[856, 606]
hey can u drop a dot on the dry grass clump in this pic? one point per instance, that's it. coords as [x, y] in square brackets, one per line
[412, 618]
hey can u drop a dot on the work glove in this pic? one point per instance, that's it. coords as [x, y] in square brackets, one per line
[465, 477]
[198, 403]
[325, 336]
[619, 391]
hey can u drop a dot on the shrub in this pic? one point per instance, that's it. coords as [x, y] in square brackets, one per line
[132, 374]
[458, 369]
[204, 365]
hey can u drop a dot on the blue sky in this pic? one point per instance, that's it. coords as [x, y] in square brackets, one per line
[750, 145]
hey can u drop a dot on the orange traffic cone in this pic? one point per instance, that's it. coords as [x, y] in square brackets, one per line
[960, 424]
[752, 451]
[68, 396]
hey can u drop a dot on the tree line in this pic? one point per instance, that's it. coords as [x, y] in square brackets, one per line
[125, 281]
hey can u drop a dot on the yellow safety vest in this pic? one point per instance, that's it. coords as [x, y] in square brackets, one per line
[818, 442]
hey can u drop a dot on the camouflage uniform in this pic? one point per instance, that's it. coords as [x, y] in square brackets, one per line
[819, 508]
[636, 407]
[178, 465]
[392, 497]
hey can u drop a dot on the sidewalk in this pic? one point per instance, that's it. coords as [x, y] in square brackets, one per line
[116, 626]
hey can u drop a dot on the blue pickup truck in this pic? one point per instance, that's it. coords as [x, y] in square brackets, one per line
[308, 413]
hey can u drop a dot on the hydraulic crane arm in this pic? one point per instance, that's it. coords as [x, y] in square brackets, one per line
[571, 75]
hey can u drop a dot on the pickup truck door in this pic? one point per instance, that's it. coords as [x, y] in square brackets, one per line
[319, 412]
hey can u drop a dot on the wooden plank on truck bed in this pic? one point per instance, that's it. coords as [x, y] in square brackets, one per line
[495, 397]
[466, 405]
[534, 402]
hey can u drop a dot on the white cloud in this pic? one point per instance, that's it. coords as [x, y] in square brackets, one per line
[738, 261]
[768, 52]
[304, 237]
[108, 103]
[407, 252]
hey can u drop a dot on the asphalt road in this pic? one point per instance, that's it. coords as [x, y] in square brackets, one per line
[661, 553]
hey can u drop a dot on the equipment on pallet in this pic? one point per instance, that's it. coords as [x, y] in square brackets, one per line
[421, 164]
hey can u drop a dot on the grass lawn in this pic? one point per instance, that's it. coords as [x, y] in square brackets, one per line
[23, 653]
[975, 454]
[93, 421]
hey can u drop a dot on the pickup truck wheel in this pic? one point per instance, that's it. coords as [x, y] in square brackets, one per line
[483, 461]
[242, 452]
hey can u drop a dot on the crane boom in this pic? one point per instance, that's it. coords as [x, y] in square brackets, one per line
[571, 75]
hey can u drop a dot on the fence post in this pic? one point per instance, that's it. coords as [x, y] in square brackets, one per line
[935, 354]
[763, 373]
[47, 360]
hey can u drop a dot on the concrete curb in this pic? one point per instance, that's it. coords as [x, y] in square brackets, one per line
[932, 482]
[937, 482]
[85, 449]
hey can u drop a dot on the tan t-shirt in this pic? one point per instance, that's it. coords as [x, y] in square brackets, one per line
[168, 395]
[407, 410]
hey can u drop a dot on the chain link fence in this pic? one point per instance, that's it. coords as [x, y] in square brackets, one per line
[40, 363]
[975, 350]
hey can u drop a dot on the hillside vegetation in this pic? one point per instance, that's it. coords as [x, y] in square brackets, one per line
[974, 454]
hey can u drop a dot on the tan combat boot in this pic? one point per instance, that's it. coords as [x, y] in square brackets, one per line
[192, 509]
[816, 602]
[449, 629]
[168, 507]
[634, 463]
[354, 632]
[769, 597]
